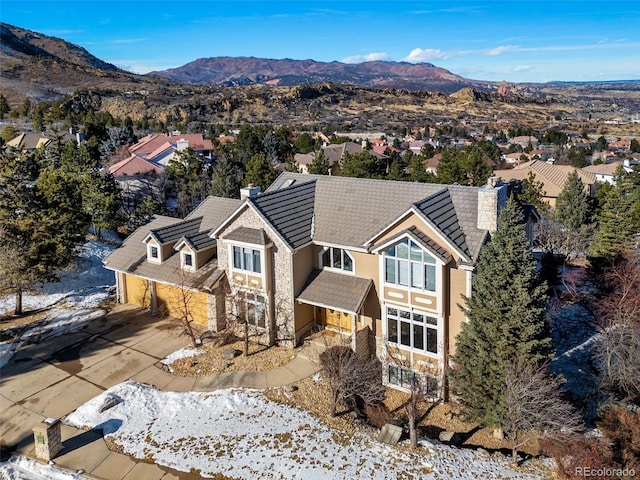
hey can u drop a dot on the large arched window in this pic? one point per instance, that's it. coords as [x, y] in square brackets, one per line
[409, 265]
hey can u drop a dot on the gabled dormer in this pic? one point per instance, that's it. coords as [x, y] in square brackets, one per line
[161, 241]
[195, 250]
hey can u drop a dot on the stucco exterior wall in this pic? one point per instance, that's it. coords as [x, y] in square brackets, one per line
[137, 291]
[458, 286]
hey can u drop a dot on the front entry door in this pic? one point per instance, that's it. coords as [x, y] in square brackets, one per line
[337, 319]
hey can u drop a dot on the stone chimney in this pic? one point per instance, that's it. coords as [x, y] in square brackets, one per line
[491, 198]
[249, 191]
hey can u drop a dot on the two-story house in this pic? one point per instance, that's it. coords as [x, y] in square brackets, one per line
[385, 262]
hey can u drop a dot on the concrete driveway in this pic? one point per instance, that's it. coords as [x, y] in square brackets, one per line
[54, 378]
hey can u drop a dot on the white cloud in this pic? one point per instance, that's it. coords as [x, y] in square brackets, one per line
[524, 68]
[128, 40]
[501, 49]
[426, 55]
[370, 57]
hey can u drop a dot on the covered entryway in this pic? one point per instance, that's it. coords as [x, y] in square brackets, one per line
[338, 297]
[333, 318]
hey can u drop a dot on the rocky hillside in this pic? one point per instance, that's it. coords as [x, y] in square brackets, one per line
[238, 71]
[46, 68]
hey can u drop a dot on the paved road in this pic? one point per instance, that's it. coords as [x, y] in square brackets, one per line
[54, 378]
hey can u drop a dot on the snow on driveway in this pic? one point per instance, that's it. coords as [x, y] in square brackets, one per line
[243, 434]
[83, 288]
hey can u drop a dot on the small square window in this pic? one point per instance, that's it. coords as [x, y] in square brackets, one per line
[153, 252]
[188, 260]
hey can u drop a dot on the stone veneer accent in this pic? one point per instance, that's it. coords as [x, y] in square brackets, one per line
[278, 271]
[47, 439]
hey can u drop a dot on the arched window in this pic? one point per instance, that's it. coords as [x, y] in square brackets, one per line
[409, 265]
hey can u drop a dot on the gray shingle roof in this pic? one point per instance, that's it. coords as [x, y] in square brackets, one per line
[173, 232]
[214, 210]
[335, 290]
[289, 211]
[350, 211]
[255, 236]
[199, 241]
[131, 256]
[132, 249]
[439, 211]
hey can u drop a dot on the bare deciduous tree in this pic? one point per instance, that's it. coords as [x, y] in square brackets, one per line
[553, 236]
[534, 403]
[183, 303]
[617, 353]
[351, 378]
[246, 313]
[422, 386]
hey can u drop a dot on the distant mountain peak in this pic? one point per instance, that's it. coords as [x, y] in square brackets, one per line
[233, 71]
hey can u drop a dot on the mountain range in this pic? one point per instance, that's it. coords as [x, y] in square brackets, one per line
[39, 65]
[239, 71]
[236, 90]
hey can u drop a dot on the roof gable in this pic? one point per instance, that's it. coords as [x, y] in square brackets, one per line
[290, 211]
[439, 211]
[351, 212]
[172, 233]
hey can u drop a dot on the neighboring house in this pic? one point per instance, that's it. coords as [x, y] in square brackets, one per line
[31, 141]
[553, 177]
[154, 152]
[605, 172]
[524, 141]
[620, 145]
[385, 262]
[334, 154]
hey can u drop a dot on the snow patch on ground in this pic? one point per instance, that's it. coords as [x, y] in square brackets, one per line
[186, 352]
[70, 303]
[21, 468]
[244, 435]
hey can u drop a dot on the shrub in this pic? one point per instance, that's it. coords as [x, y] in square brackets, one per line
[574, 452]
[622, 427]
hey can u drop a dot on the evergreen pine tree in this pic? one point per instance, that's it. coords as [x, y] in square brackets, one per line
[320, 164]
[506, 319]
[572, 205]
[618, 218]
[532, 193]
[225, 181]
[41, 224]
[396, 172]
[260, 172]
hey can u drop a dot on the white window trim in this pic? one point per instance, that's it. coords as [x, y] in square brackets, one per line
[333, 269]
[438, 264]
[152, 259]
[439, 327]
[259, 248]
[183, 263]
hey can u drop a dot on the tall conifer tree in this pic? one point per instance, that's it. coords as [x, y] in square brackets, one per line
[506, 319]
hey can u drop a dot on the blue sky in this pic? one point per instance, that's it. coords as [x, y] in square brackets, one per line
[516, 41]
